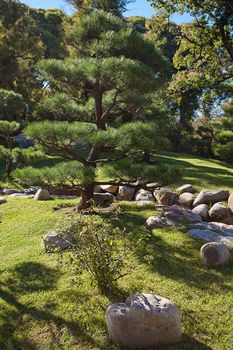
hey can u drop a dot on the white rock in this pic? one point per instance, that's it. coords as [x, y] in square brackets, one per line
[125, 193]
[154, 222]
[215, 254]
[144, 195]
[185, 188]
[211, 197]
[42, 195]
[144, 321]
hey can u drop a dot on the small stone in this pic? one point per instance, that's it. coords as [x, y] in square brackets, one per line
[215, 254]
[144, 195]
[109, 188]
[185, 200]
[202, 210]
[185, 189]
[154, 222]
[42, 195]
[144, 321]
[125, 193]
[57, 240]
[21, 195]
[211, 197]
[166, 197]
[153, 185]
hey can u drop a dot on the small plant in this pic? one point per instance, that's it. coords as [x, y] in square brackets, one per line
[97, 250]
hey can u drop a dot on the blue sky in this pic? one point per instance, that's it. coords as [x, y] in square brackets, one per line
[137, 8]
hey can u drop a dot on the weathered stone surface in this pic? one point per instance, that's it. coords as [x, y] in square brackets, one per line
[211, 232]
[230, 202]
[211, 197]
[144, 195]
[215, 254]
[144, 321]
[165, 197]
[98, 189]
[2, 200]
[185, 200]
[185, 189]
[205, 234]
[42, 195]
[31, 190]
[103, 199]
[219, 212]
[202, 210]
[154, 222]
[57, 240]
[178, 214]
[125, 193]
[109, 188]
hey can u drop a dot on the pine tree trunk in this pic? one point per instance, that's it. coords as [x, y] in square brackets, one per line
[8, 168]
[86, 197]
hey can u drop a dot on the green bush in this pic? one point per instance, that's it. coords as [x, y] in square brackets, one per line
[98, 250]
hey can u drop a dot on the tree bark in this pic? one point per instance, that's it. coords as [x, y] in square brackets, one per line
[86, 197]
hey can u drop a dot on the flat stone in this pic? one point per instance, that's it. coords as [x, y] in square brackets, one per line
[187, 188]
[180, 215]
[144, 321]
[211, 197]
[109, 188]
[153, 185]
[9, 191]
[21, 195]
[154, 222]
[215, 254]
[205, 235]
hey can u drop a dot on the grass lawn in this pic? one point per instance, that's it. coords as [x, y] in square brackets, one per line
[41, 309]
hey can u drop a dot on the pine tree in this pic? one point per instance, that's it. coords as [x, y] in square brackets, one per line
[111, 74]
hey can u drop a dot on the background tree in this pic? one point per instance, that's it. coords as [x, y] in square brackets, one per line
[116, 7]
[91, 93]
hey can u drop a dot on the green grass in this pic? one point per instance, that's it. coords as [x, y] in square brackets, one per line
[41, 309]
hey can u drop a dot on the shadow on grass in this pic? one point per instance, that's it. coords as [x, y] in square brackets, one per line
[30, 278]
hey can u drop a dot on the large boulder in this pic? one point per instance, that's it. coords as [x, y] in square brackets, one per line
[57, 240]
[230, 202]
[144, 321]
[2, 200]
[179, 215]
[202, 210]
[219, 212]
[165, 197]
[215, 254]
[185, 200]
[125, 193]
[211, 197]
[109, 188]
[103, 199]
[154, 222]
[185, 188]
[144, 195]
[42, 195]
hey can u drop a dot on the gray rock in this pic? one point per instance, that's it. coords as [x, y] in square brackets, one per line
[215, 254]
[2, 200]
[154, 222]
[21, 195]
[219, 212]
[144, 195]
[211, 197]
[57, 240]
[180, 215]
[230, 202]
[205, 235]
[144, 321]
[185, 200]
[42, 195]
[212, 232]
[9, 191]
[165, 197]
[125, 193]
[103, 199]
[109, 188]
[185, 189]
[202, 210]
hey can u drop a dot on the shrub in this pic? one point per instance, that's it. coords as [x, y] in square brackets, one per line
[99, 250]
